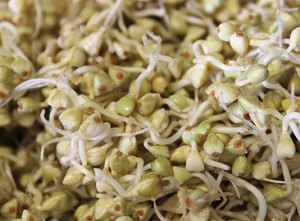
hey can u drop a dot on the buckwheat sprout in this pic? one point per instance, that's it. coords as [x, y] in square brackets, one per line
[126, 179]
[196, 96]
[262, 208]
[35, 83]
[107, 145]
[82, 169]
[65, 160]
[53, 73]
[108, 97]
[233, 203]
[173, 182]
[38, 17]
[282, 182]
[183, 203]
[153, 59]
[290, 58]
[166, 58]
[220, 117]
[235, 215]
[105, 134]
[214, 61]
[105, 112]
[144, 122]
[17, 50]
[215, 216]
[171, 104]
[286, 176]
[86, 68]
[63, 62]
[229, 130]
[271, 111]
[286, 122]
[7, 170]
[276, 86]
[196, 9]
[253, 53]
[149, 148]
[236, 189]
[190, 106]
[37, 195]
[207, 160]
[133, 70]
[100, 176]
[248, 123]
[196, 49]
[273, 211]
[220, 177]
[251, 210]
[81, 150]
[291, 213]
[195, 21]
[159, 215]
[12, 158]
[9, 26]
[272, 55]
[109, 44]
[104, 13]
[121, 22]
[217, 189]
[165, 16]
[123, 39]
[169, 140]
[148, 166]
[293, 97]
[179, 84]
[111, 17]
[198, 112]
[258, 9]
[46, 144]
[150, 12]
[145, 130]
[139, 169]
[278, 34]
[169, 129]
[174, 113]
[51, 126]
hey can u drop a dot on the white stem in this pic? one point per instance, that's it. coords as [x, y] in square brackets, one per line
[100, 176]
[111, 17]
[82, 169]
[46, 144]
[262, 209]
[169, 140]
[13, 29]
[161, 218]
[220, 65]
[286, 120]
[82, 155]
[198, 112]
[216, 164]
[38, 17]
[204, 178]
[9, 174]
[229, 130]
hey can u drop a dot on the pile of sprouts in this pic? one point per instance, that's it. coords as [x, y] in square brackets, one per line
[137, 110]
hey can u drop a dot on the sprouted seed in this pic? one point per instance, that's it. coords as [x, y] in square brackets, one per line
[149, 110]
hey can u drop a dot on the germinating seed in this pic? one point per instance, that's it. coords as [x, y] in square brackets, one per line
[149, 110]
